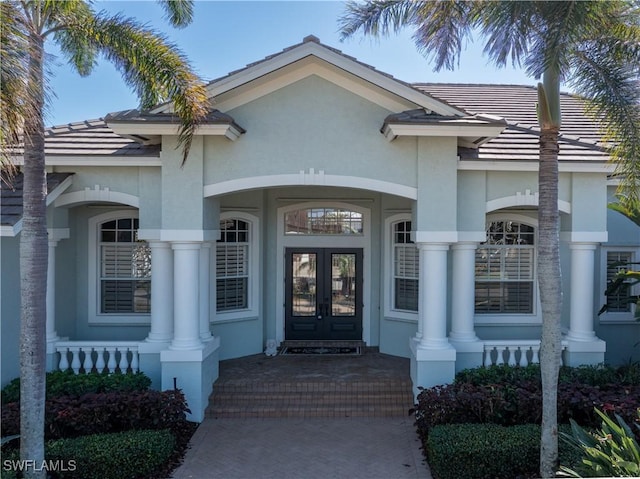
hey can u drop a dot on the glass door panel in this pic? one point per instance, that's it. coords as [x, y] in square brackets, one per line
[304, 274]
[343, 284]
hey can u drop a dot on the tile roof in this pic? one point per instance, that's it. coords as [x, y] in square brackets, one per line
[214, 117]
[579, 140]
[91, 137]
[11, 196]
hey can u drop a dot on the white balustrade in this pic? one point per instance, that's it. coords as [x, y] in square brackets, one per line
[88, 356]
[514, 352]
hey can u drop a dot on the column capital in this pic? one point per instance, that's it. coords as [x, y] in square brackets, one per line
[432, 246]
[57, 234]
[465, 245]
[581, 245]
[185, 245]
[435, 236]
[584, 236]
[158, 244]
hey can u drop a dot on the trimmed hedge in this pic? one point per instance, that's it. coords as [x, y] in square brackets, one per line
[488, 451]
[67, 416]
[520, 402]
[66, 383]
[124, 455]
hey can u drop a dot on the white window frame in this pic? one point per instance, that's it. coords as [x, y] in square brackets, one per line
[534, 318]
[95, 315]
[390, 311]
[253, 283]
[609, 317]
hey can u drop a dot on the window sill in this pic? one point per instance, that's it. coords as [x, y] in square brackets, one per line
[120, 320]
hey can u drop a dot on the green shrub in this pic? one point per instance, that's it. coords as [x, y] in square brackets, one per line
[486, 451]
[66, 383]
[130, 454]
[610, 452]
[93, 413]
[597, 375]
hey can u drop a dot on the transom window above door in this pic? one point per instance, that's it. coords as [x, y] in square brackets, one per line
[323, 221]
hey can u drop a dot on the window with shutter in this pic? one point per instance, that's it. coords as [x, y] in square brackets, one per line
[406, 268]
[618, 261]
[125, 268]
[232, 266]
[505, 269]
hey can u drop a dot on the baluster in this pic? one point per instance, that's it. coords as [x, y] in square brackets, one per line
[87, 365]
[500, 358]
[100, 360]
[561, 355]
[111, 364]
[524, 358]
[511, 358]
[486, 360]
[64, 360]
[75, 361]
[535, 354]
[134, 361]
[124, 360]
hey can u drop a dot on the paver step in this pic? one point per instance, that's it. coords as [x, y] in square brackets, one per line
[316, 387]
[306, 411]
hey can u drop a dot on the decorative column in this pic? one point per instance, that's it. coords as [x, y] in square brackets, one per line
[205, 284]
[52, 335]
[161, 292]
[583, 346]
[582, 307]
[463, 303]
[432, 308]
[186, 296]
[469, 349]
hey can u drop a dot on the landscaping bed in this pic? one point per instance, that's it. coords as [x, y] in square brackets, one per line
[487, 412]
[103, 426]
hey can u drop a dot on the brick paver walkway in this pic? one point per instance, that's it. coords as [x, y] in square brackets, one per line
[312, 448]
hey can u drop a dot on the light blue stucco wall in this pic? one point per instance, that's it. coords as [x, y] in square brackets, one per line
[311, 124]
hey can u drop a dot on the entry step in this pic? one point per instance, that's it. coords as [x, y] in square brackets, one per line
[322, 344]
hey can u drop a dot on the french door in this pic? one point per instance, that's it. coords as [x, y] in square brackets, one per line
[323, 294]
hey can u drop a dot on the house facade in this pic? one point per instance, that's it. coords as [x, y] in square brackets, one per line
[322, 200]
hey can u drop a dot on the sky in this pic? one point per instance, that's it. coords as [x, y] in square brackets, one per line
[227, 35]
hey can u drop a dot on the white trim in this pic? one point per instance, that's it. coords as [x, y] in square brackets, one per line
[93, 279]
[106, 159]
[98, 193]
[615, 317]
[253, 295]
[435, 236]
[533, 319]
[389, 312]
[324, 241]
[584, 236]
[565, 166]
[470, 132]
[519, 199]
[309, 178]
[317, 54]
[11, 231]
[141, 129]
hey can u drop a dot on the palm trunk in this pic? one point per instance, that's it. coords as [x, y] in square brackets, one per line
[33, 272]
[549, 279]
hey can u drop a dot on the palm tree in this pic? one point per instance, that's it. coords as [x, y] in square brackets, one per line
[149, 64]
[593, 46]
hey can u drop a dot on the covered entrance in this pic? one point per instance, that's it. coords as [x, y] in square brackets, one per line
[323, 294]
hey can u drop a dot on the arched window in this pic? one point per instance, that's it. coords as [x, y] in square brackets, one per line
[123, 267]
[505, 269]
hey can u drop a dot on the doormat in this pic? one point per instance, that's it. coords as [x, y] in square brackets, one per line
[321, 351]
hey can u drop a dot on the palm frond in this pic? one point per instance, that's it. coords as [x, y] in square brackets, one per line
[15, 104]
[152, 66]
[376, 18]
[178, 13]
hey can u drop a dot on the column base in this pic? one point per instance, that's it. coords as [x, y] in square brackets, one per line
[580, 353]
[431, 367]
[469, 354]
[194, 371]
[149, 360]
